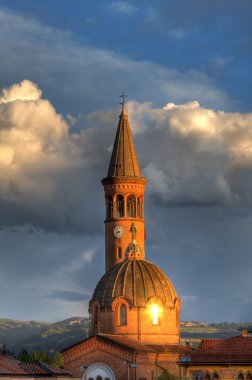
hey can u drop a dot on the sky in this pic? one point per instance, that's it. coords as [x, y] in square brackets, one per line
[186, 67]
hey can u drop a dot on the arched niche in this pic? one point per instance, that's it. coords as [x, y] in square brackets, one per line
[119, 206]
[131, 206]
[109, 207]
[99, 370]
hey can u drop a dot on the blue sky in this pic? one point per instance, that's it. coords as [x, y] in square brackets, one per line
[186, 67]
[212, 37]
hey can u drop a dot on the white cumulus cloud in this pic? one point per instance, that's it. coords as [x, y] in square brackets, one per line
[49, 174]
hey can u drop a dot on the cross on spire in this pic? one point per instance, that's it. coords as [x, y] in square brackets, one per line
[123, 96]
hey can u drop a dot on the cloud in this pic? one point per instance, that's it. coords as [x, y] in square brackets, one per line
[49, 173]
[41, 163]
[67, 295]
[45, 266]
[71, 75]
[26, 90]
[200, 152]
[122, 7]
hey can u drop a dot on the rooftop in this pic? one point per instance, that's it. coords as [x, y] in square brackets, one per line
[237, 349]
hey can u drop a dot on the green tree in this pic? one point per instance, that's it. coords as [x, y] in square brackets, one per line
[24, 355]
[58, 360]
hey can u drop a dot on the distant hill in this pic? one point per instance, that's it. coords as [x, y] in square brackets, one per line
[47, 336]
[53, 337]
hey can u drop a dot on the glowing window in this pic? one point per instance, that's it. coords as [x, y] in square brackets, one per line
[154, 312]
[123, 315]
[120, 206]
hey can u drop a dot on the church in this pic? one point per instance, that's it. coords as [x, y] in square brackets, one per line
[134, 310]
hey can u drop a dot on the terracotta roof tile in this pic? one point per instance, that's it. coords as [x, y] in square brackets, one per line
[34, 369]
[171, 348]
[10, 366]
[42, 369]
[237, 349]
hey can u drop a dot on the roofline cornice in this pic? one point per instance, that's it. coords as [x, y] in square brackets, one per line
[126, 179]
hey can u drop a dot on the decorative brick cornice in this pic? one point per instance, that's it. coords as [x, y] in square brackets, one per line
[96, 342]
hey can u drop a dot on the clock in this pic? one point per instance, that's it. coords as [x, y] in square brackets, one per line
[119, 231]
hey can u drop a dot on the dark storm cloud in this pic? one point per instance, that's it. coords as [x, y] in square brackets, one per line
[36, 270]
[67, 295]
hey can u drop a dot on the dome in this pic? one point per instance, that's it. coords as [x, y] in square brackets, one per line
[137, 281]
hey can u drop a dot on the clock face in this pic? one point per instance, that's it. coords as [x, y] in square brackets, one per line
[119, 231]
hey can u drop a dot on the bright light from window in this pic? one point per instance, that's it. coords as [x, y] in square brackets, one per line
[154, 311]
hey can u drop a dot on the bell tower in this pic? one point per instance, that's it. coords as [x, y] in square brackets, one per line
[124, 196]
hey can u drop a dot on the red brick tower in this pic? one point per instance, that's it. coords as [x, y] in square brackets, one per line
[134, 297]
[134, 310]
[124, 196]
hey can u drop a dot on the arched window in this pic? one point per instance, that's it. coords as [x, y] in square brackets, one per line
[155, 314]
[215, 376]
[109, 207]
[139, 207]
[119, 252]
[207, 376]
[248, 376]
[131, 206]
[120, 206]
[123, 315]
[98, 378]
[96, 311]
[240, 376]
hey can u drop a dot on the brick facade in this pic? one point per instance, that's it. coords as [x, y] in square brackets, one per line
[125, 336]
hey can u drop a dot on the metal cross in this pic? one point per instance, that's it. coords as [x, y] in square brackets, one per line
[123, 96]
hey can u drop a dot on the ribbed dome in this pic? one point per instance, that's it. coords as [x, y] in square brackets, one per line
[137, 281]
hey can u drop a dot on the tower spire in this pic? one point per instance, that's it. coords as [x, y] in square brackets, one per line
[124, 161]
[124, 196]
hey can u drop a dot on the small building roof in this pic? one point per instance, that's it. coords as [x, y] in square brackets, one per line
[118, 340]
[131, 344]
[237, 349]
[12, 367]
